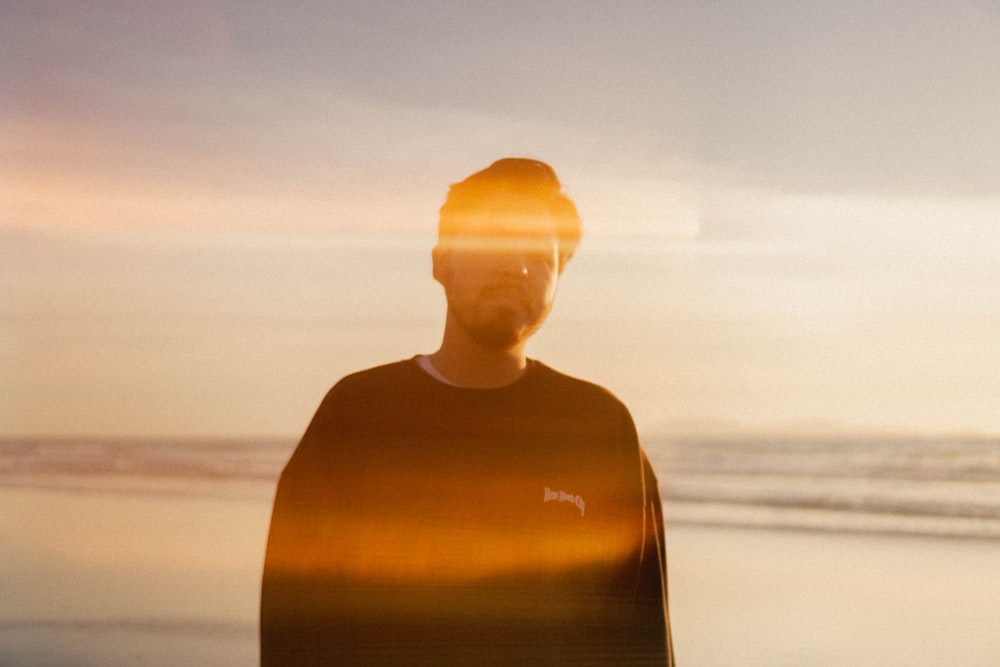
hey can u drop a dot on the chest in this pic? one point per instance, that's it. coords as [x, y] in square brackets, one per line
[458, 506]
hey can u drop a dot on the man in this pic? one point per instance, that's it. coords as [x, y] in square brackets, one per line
[472, 506]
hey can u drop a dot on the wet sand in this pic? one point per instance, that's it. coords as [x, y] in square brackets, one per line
[772, 598]
[96, 578]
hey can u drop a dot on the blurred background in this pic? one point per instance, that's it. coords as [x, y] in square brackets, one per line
[210, 211]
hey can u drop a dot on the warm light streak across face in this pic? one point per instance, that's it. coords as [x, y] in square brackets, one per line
[503, 244]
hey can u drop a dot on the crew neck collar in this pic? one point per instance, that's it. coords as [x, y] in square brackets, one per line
[427, 368]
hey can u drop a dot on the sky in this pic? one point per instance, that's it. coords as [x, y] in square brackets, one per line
[210, 211]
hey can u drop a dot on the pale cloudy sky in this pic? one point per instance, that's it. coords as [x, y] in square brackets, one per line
[209, 211]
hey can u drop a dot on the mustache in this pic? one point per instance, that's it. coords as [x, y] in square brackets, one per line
[506, 290]
[507, 287]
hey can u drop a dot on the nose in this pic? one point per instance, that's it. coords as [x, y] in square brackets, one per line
[513, 264]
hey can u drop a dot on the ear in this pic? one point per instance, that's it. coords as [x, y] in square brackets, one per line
[439, 264]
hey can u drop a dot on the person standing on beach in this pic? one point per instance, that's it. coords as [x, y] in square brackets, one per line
[472, 506]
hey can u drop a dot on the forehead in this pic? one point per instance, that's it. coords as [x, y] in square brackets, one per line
[510, 216]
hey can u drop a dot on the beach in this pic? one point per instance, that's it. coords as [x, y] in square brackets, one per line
[796, 598]
[166, 578]
[98, 578]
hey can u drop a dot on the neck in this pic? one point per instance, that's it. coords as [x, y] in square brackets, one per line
[467, 363]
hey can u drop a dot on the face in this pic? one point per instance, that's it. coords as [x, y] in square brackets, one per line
[500, 274]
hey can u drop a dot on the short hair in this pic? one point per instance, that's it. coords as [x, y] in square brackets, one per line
[523, 177]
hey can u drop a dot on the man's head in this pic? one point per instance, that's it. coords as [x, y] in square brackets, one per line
[521, 183]
[504, 236]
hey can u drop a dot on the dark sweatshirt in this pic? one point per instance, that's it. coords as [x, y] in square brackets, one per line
[419, 523]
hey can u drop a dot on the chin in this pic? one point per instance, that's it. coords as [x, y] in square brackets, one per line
[500, 340]
[500, 330]
[500, 334]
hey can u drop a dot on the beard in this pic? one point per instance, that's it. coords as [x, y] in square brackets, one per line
[499, 326]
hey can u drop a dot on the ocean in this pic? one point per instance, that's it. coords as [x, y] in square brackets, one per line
[948, 487]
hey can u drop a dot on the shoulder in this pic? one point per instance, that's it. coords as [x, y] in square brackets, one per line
[363, 398]
[386, 374]
[371, 386]
[596, 423]
[582, 395]
[573, 386]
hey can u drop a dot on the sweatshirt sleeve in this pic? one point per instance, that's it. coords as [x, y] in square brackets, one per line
[291, 588]
[654, 623]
